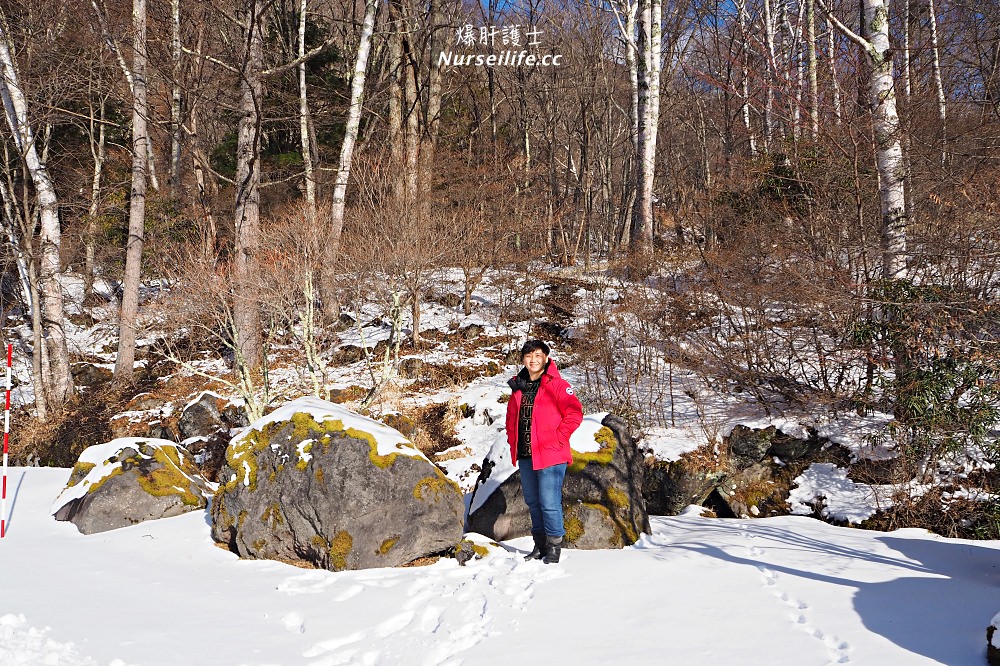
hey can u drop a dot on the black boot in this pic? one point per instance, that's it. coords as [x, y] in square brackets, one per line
[553, 548]
[539, 550]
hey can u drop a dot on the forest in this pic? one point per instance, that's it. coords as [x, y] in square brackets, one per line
[794, 201]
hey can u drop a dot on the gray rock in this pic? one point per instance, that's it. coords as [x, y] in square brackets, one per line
[672, 486]
[88, 374]
[159, 430]
[752, 480]
[320, 494]
[748, 446]
[209, 415]
[790, 449]
[471, 332]
[603, 506]
[128, 481]
[411, 367]
[202, 417]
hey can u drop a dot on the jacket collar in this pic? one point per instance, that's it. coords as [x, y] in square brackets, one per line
[521, 379]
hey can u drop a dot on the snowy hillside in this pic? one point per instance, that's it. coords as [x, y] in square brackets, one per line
[780, 591]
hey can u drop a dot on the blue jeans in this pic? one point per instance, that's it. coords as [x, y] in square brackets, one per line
[542, 490]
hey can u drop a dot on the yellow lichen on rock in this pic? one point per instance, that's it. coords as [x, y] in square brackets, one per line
[340, 548]
[168, 479]
[606, 438]
[79, 473]
[273, 515]
[434, 484]
[387, 545]
[104, 479]
[572, 524]
[617, 497]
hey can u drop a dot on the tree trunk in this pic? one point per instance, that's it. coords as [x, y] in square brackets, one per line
[60, 386]
[307, 157]
[741, 8]
[10, 228]
[838, 112]
[331, 306]
[98, 148]
[885, 120]
[246, 316]
[770, 81]
[641, 239]
[813, 74]
[175, 99]
[137, 203]
[938, 84]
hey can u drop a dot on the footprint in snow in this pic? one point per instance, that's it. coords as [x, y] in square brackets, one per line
[294, 623]
[394, 624]
[770, 577]
[349, 593]
[310, 583]
[333, 645]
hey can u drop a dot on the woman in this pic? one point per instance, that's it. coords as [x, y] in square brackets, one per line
[541, 415]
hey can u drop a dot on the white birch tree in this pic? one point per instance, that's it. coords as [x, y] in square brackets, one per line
[336, 224]
[650, 65]
[125, 360]
[59, 386]
[887, 130]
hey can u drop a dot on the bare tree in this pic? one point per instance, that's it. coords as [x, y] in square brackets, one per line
[125, 360]
[60, 385]
[336, 223]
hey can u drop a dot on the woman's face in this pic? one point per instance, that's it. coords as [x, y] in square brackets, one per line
[535, 362]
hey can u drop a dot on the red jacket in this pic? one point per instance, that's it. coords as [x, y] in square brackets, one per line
[556, 415]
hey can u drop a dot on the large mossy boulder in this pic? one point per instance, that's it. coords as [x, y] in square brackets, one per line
[602, 494]
[128, 481]
[316, 484]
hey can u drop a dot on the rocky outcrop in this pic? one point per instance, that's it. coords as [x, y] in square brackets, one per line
[128, 481]
[316, 484]
[603, 506]
[748, 475]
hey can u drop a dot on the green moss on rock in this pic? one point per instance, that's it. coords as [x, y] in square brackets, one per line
[242, 455]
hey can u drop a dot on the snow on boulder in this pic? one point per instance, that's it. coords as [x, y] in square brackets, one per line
[127, 481]
[317, 484]
[602, 495]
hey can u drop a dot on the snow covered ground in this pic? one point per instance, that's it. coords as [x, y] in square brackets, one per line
[697, 590]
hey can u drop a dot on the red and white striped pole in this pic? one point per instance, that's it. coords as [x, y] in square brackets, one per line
[6, 446]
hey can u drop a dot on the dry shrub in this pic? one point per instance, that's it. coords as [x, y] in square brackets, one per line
[434, 428]
[59, 440]
[952, 518]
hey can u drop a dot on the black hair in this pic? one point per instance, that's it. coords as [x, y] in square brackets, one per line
[533, 345]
